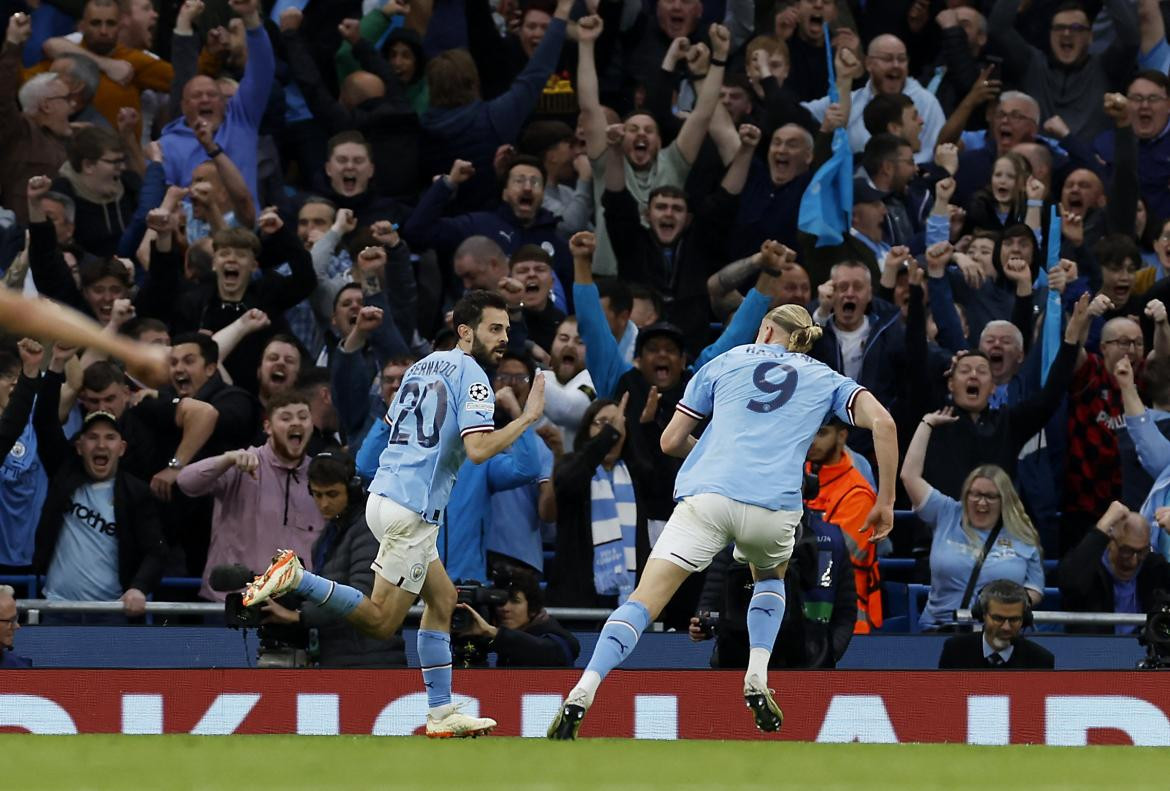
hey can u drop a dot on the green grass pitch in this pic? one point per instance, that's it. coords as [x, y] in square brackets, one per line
[285, 763]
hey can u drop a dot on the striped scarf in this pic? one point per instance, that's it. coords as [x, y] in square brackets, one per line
[614, 515]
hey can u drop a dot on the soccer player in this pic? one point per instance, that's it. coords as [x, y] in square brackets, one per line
[442, 414]
[741, 483]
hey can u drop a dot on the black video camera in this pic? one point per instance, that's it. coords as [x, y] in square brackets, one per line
[237, 616]
[708, 622]
[481, 598]
[1155, 635]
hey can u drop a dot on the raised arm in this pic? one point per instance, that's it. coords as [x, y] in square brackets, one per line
[592, 115]
[694, 129]
[915, 460]
[239, 195]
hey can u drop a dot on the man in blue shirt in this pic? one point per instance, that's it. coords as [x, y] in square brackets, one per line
[235, 124]
[741, 482]
[441, 415]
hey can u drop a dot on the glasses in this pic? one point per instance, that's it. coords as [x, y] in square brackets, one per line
[1124, 343]
[526, 181]
[1015, 116]
[602, 421]
[1000, 620]
[520, 379]
[1135, 98]
[11, 621]
[986, 497]
[901, 60]
[63, 97]
[1075, 29]
[1129, 553]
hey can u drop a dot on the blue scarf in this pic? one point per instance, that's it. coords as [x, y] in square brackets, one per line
[614, 514]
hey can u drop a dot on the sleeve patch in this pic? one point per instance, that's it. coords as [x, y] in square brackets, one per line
[487, 407]
[479, 392]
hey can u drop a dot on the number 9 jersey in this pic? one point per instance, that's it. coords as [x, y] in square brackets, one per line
[766, 404]
[443, 397]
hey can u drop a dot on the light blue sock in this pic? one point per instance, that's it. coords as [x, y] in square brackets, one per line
[618, 637]
[765, 611]
[332, 597]
[434, 654]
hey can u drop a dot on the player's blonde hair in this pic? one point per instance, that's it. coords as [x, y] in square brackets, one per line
[793, 319]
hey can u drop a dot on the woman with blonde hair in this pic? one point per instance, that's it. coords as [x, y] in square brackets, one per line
[985, 535]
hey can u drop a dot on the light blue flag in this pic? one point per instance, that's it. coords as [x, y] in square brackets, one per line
[1052, 314]
[826, 208]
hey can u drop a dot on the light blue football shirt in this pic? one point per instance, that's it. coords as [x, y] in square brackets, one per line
[766, 404]
[444, 397]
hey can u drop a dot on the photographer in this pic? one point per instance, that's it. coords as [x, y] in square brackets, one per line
[343, 553]
[1113, 570]
[524, 634]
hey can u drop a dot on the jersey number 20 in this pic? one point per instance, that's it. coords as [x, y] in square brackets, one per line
[414, 396]
[780, 391]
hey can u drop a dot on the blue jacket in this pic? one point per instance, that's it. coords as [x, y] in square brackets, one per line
[238, 134]
[474, 131]
[1153, 451]
[469, 511]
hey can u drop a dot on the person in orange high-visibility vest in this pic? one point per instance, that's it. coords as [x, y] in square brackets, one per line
[845, 498]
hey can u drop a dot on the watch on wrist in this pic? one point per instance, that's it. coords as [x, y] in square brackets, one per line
[175, 464]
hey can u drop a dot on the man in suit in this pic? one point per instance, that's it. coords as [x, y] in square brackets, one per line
[1003, 607]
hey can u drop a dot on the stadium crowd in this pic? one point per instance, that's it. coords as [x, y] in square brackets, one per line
[291, 195]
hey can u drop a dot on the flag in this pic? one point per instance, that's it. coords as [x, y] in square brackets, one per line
[1050, 337]
[826, 208]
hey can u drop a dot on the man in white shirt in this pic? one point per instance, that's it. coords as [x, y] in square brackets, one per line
[568, 387]
[887, 63]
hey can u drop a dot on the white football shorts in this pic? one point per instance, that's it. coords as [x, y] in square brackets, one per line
[703, 524]
[406, 543]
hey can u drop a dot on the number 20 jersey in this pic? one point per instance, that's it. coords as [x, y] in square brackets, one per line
[443, 397]
[766, 404]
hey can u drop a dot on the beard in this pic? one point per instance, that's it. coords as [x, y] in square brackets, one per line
[483, 355]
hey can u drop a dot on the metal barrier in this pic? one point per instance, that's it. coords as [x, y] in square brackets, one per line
[34, 607]
[1075, 618]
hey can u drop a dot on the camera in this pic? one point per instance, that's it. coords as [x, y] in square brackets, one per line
[481, 598]
[708, 622]
[237, 616]
[1155, 635]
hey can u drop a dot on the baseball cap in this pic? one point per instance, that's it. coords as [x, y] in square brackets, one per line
[864, 192]
[100, 415]
[659, 329]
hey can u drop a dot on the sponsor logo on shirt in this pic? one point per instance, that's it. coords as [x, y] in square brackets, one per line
[93, 519]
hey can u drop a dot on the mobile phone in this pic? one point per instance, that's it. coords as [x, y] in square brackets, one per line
[996, 64]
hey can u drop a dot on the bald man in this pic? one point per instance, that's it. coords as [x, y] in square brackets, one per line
[1113, 570]
[888, 64]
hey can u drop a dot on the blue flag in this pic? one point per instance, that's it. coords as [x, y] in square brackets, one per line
[1050, 338]
[826, 208]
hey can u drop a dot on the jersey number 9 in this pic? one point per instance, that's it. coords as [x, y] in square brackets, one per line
[781, 391]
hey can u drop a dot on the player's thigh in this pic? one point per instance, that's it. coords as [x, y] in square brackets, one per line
[406, 544]
[391, 604]
[660, 580]
[696, 532]
[765, 538]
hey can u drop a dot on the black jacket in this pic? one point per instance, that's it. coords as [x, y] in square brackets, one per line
[965, 652]
[274, 293]
[343, 554]
[141, 549]
[388, 122]
[678, 273]
[1087, 586]
[543, 642]
[997, 435]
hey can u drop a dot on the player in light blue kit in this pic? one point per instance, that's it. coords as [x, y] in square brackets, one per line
[741, 484]
[442, 414]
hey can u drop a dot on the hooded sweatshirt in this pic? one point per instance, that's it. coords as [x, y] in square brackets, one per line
[100, 221]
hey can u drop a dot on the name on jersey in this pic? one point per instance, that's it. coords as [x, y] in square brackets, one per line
[437, 367]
